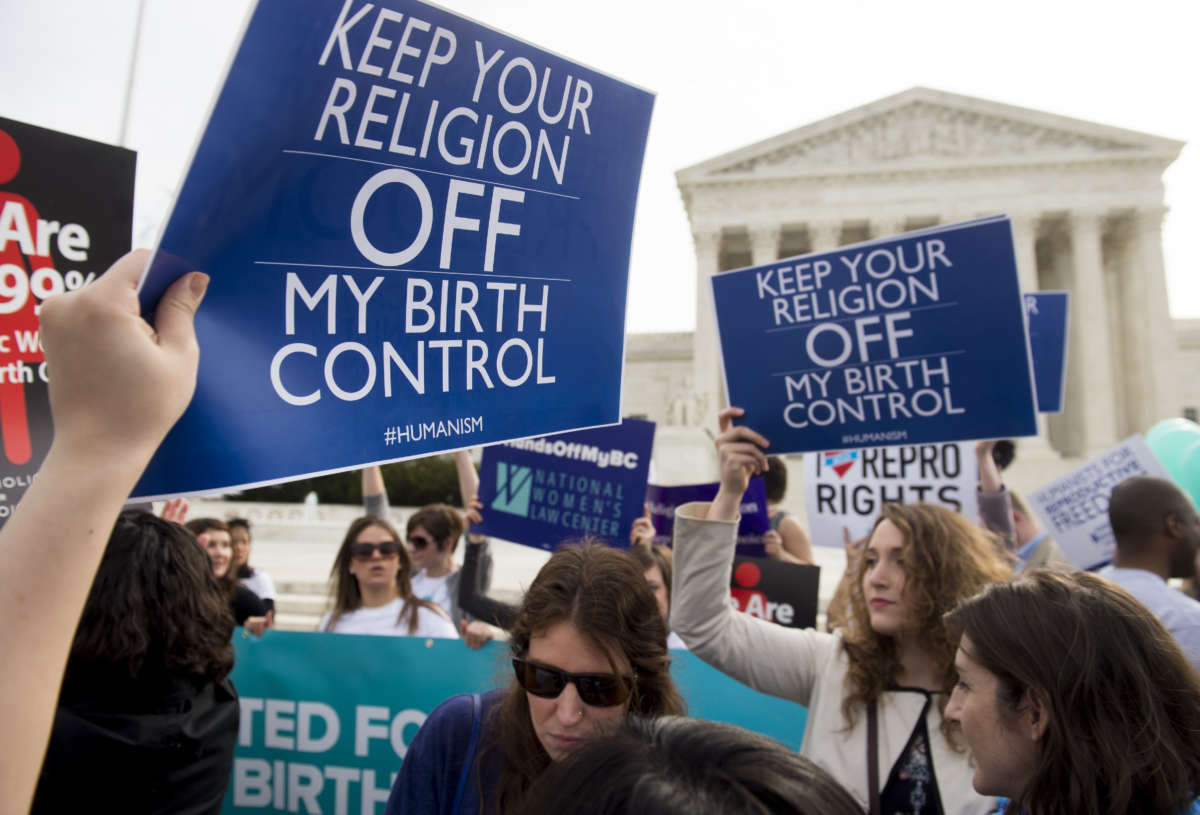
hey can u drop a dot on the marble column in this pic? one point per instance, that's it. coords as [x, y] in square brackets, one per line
[1159, 398]
[1024, 228]
[764, 244]
[1090, 364]
[706, 369]
[887, 227]
[825, 235]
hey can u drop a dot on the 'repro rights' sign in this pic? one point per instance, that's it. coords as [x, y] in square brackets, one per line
[418, 233]
[906, 340]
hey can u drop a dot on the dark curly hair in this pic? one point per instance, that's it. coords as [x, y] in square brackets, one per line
[154, 605]
[1123, 730]
[601, 591]
[946, 560]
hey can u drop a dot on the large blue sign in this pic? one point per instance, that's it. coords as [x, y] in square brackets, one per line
[662, 501]
[1046, 313]
[590, 483]
[327, 718]
[906, 340]
[418, 234]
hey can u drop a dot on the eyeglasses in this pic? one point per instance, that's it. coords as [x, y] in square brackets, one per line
[418, 541]
[597, 690]
[364, 551]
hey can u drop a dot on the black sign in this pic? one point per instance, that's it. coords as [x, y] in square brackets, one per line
[784, 593]
[66, 213]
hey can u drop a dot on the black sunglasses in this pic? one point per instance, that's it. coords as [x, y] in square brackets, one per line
[418, 541]
[597, 690]
[365, 550]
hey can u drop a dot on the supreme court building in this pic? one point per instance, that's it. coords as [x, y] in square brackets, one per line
[1086, 203]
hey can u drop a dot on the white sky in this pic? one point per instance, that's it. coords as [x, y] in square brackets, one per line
[726, 75]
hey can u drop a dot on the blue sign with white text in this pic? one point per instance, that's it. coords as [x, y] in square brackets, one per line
[913, 339]
[1046, 313]
[541, 492]
[418, 234]
[662, 501]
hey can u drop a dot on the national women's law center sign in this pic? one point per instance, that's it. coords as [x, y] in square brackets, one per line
[418, 233]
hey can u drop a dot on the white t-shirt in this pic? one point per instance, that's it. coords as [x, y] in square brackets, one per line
[675, 643]
[261, 584]
[385, 620]
[433, 589]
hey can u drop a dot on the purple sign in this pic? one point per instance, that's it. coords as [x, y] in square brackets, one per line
[662, 502]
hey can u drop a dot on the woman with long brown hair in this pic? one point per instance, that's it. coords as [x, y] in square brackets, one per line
[371, 584]
[1074, 698]
[874, 690]
[588, 646]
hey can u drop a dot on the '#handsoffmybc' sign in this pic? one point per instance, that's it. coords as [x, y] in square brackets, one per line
[845, 489]
[906, 340]
[418, 234]
[1046, 314]
[662, 502]
[66, 213]
[1074, 508]
[541, 492]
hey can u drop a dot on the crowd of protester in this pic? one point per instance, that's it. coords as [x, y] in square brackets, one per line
[966, 668]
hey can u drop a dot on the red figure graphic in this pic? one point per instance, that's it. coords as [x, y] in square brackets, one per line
[15, 365]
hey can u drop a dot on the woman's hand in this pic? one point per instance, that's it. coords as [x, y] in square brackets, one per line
[642, 533]
[741, 456]
[476, 634]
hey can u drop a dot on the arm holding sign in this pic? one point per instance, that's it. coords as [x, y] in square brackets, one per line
[118, 387]
[471, 596]
[773, 659]
[995, 503]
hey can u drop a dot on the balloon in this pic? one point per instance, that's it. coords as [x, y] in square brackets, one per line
[1169, 440]
[1189, 475]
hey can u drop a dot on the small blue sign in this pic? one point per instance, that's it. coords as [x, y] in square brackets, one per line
[662, 502]
[590, 483]
[1046, 313]
[913, 339]
[418, 234]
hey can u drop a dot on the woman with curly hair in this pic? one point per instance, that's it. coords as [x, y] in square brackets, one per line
[147, 718]
[371, 583]
[875, 690]
[1074, 698]
[588, 646]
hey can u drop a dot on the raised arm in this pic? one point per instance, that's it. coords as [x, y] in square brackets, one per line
[994, 501]
[773, 659]
[472, 597]
[117, 385]
[374, 492]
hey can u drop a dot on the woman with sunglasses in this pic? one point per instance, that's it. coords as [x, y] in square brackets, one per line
[372, 590]
[432, 535]
[588, 646]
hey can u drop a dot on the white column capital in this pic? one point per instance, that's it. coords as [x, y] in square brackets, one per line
[1149, 218]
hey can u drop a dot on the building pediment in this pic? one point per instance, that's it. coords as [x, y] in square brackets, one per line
[924, 129]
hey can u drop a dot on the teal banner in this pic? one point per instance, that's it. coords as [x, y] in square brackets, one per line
[327, 718]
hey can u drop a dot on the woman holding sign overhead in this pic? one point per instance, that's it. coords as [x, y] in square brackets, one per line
[875, 691]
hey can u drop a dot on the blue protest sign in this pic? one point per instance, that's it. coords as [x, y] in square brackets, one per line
[327, 718]
[662, 502]
[1046, 313]
[418, 234]
[541, 492]
[913, 339]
